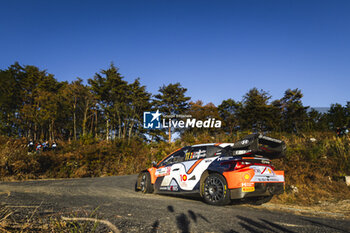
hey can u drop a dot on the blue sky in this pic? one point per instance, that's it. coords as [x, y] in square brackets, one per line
[216, 49]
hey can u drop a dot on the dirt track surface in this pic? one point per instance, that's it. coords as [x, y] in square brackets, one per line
[114, 199]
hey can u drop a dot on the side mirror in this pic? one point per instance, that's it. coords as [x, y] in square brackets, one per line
[154, 163]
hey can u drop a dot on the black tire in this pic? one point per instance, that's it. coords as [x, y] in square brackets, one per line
[260, 200]
[145, 183]
[215, 190]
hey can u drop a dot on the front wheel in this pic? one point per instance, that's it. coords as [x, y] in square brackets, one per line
[215, 190]
[145, 183]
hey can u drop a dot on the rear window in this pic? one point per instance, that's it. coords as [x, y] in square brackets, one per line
[213, 151]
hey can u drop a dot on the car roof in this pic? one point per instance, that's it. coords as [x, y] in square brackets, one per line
[206, 144]
[215, 144]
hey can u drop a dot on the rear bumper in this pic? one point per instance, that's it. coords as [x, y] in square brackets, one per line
[260, 189]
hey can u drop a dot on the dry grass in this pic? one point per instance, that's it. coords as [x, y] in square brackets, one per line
[29, 219]
[313, 168]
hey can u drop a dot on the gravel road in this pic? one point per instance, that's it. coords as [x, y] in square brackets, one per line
[114, 199]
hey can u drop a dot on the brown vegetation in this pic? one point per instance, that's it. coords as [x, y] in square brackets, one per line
[313, 169]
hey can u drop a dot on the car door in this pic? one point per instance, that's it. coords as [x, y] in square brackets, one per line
[192, 168]
[169, 170]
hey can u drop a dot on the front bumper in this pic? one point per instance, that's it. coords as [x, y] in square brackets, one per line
[260, 189]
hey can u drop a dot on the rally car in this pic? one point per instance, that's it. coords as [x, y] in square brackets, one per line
[219, 172]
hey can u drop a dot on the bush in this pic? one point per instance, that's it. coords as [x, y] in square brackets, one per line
[312, 167]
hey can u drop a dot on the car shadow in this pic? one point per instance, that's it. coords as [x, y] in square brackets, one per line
[183, 220]
[317, 223]
[197, 197]
[254, 226]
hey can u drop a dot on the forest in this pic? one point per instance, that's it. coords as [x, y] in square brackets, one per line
[34, 105]
[99, 130]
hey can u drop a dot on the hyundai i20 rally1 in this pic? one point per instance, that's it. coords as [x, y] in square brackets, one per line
[219, 172]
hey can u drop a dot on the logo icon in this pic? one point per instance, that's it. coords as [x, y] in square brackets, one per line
[151, 120]
[183, 177]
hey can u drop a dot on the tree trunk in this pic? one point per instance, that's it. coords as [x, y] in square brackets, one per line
[35, 135]
[169, 133]
[107, 130]
[74, 127]
[125, 129]
[50, 131]
[85, 117]
[130, 130]
[92, 123]
[96, 126]
[119, 126]
[74, 119]
[53, 130]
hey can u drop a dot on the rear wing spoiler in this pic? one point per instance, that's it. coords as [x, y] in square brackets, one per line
[257, 144]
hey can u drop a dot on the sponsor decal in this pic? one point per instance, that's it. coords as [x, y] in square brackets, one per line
[224, 158]
[262, 170]
[195, 154]
[267, 169]
[241, 152]
[265, 174]
[174, 188]
[189, 156]
[245, 142]
[169, 188]
[163, 171]
[246, 176]
[248, 189]
[248, 184]
[267, 178]
[183, 177]
[270, 139]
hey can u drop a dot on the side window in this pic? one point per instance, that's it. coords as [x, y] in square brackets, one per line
[213, 151]
[196, 152]
[176, 157]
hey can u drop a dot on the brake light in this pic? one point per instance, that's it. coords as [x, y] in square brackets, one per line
[242, 164]
[236, 165]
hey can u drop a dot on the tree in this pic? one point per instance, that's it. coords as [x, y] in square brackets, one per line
[294, 114]
[38, 88]
[110, 90]
[10, 98]
[256, 114]
[317, 121]
[228, 112]
[122, 104]
[139, 101]
[337, 116]
[171, 100]
[203, 112]
[79, 101]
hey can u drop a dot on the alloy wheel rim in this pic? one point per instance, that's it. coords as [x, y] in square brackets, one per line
[142, 183]
[214, 189]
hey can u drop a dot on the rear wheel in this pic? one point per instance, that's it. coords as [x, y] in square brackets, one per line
[145, 183]
[215, 190]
